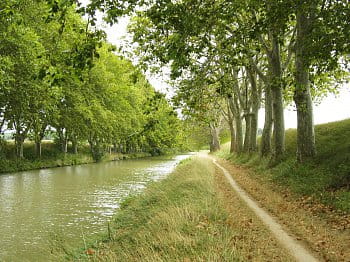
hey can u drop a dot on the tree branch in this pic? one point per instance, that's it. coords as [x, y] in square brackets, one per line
[290, 50]
[264, 44]
[257, 70]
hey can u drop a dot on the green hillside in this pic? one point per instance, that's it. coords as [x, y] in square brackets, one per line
[326, 178]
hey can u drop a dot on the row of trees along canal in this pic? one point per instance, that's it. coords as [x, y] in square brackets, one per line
[57, 72]
[228, 58]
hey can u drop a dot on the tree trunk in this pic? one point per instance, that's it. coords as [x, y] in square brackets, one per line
[20, 136]
[277, 100]
[19, 140]
[232, 130]
[74, 139]
[62, 135]
[255, 98]
[278, 127]
[233, 102]
[306, 147]
[233, 137]
[75, 146]
[95, 147]
[38, 137]
[239, 135]
[247, 119]
[253, 131]
[64, 145]
[38, 148]
[267, 130]
[215, 141]
[92, 149]
[19, 146]
[236, 111]
[2, 146]
[39, 128]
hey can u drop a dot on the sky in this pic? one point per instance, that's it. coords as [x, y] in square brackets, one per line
[332, 108]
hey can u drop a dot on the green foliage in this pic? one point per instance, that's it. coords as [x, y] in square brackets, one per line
[162, 128]
[285, 42]
[57, 73]
[196, 135]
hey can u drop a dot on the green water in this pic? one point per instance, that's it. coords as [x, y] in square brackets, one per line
[74, 203]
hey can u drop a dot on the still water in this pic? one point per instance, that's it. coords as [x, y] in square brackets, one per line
[74, 202]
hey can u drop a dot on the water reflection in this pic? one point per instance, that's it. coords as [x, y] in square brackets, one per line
[71, 200]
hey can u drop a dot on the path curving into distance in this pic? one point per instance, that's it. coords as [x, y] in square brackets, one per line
[289, 242]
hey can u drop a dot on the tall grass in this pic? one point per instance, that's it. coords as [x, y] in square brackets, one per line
[177, 219]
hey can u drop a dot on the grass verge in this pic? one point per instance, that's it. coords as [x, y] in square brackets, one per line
[326, 233]
[325, 179]
[312, 199]
[192, 215]
[59, 160]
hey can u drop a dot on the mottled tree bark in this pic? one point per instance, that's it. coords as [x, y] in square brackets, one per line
[247, 120]
[255, 106]
[21, 134]
[38, 148]
[19, 141]
[233, 137]
[277, 99]
[63, 138]
[39, 133]
[267, 130]
[234, 106]
[38, 138]
[74, 139]
[253, 131]
[231, 124]
[306, 147]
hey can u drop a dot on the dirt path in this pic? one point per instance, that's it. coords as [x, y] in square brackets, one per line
[289, 242]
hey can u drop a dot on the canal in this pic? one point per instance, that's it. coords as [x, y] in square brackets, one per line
[72, 203]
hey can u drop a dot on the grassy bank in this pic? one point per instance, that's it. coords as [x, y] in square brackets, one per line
[51, 157]
[325, 179]
[189, 216]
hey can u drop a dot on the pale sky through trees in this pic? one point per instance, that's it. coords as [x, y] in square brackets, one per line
[332, 108]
